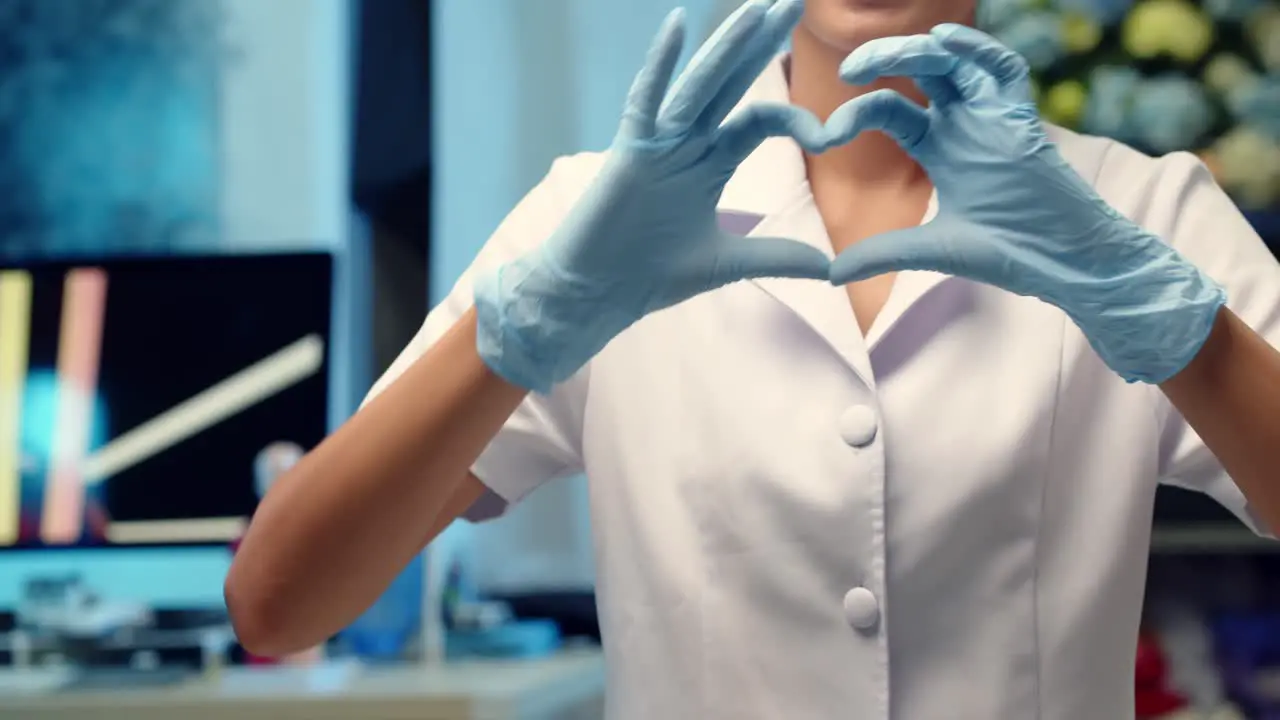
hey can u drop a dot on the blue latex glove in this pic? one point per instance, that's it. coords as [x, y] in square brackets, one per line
[644, 236]
[1013, 214]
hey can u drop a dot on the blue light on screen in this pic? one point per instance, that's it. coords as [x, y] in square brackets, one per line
[39, 419]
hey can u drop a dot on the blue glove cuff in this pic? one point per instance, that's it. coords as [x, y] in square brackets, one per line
[499, 348]
[535, 330]
[1183, 309]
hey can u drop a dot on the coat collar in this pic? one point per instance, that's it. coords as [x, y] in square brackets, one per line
[769, 196]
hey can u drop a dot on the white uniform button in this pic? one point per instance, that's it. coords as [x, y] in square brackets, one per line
[858, 426]
[861, 609]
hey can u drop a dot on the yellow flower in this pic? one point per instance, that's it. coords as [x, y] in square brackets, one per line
[1264, 33]
[1080, 34]
[1173, 27]
[1065, 102]
[1226, 72]
[1248, 165]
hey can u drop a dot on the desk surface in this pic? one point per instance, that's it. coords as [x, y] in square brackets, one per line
[568, 686]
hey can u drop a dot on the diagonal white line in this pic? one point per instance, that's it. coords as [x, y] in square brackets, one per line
[244, 389]
[141, 532]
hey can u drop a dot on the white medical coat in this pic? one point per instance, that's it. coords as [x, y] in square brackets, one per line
[948, 519]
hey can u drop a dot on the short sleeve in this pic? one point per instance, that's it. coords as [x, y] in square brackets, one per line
[1190, 211]
[542, 440]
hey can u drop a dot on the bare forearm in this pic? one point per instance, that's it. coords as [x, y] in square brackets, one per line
[1230, 395]
[336, 530]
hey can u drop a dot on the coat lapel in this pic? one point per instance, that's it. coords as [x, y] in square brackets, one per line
[769, 196]
[821, 306]
[908, 289]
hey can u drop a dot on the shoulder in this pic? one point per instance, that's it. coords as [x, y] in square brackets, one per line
[535, 217]
[570, 175]
[1124, 175]
[1176, 197]
[564, 182]
[542, 209]
[1099, 158]
[1157, 192]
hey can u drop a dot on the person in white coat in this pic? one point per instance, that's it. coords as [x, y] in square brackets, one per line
[872, 374]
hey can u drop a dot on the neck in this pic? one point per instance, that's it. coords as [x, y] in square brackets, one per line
[871, 161]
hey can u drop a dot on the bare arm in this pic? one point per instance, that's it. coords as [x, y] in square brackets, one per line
[335, 530]
[1230, 394]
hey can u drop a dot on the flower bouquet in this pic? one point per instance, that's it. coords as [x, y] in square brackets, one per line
[1160, 75]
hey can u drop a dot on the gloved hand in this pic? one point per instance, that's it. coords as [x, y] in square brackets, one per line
[1013, 214]
[644, 236]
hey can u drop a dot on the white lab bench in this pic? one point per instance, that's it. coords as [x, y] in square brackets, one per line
[569, 686]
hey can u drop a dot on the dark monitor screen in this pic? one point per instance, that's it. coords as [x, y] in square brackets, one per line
[150, 401]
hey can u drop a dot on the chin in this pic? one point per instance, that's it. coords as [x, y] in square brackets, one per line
[846, 24]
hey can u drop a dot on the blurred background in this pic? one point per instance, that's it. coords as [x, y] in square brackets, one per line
[221, 219]
[1161, 75]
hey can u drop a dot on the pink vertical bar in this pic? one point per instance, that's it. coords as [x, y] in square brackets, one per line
[79, 353]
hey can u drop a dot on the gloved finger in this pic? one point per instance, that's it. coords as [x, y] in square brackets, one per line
[939, 90]
[745, 258]
[919, 57]
[778, 25]
[710, 67]
[1005, 65]
[640, 115]
[914, 248]
[885, 110]
[744, 132]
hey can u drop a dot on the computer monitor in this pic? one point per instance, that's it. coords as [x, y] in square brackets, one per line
[149, 401]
